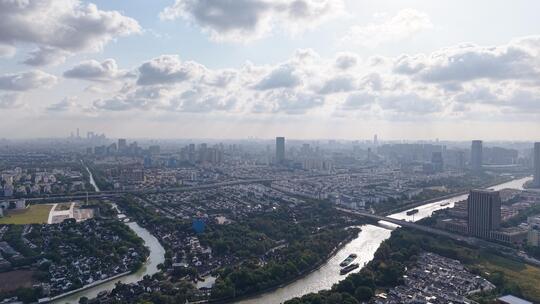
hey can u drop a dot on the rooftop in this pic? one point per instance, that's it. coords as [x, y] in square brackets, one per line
[509, 299]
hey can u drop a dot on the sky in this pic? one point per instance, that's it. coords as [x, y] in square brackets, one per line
[304, 69]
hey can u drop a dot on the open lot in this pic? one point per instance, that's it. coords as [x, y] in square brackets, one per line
[34, 214]
[15, 279]
[525, 276]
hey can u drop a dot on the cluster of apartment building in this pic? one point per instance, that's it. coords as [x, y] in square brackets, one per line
[436, 280]
[235, 202]
[358, 190]
[22, 182]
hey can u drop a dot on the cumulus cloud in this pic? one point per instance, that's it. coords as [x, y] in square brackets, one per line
[197, 100]
[26, 81]
[339, 83]
[65, 104]
[58, 28]
[358, 100]
[244, 20]
[403, 25]
[346, 61]
[117, 103]
[97, 71]
[515, 60]
[46, 55]
[220, 78]
[411, 103]
[283, 76]
[288, 102]
[306, 83]
[167, 69]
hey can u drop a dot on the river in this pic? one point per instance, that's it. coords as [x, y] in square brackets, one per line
[91, 178]
[156, 257]
[364, 246]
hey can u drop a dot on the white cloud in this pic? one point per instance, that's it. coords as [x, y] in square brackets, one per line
[97, 71]
[405, 24]
[358, 100]
[516, 60]
[307, 84]
[245, 20]
[65, 104]
[167, 69]
[410, 103]
[346, 61]
[287, 101]
[26, 81]
[46, 55]
[336, 84]
[198, 100]
[60, 27]
[117, 103]
[9, 101]
[283, 76]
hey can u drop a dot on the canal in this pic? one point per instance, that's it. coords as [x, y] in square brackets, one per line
[156, 257]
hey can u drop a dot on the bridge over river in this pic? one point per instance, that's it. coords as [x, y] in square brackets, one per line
[409, 224]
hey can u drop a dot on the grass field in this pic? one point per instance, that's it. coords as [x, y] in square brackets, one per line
[35, 214]
[525, 276]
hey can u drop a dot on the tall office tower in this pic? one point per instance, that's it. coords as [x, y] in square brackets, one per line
[122, 145]
[280, 150]
[484, 212]
[375, 140]
[476, 156]
[536, 181]
[78, 136]
[461, 160]
[437, 161]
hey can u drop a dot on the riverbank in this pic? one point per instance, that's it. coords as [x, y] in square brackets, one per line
[94, 284]
[301, 275]
[155, 257]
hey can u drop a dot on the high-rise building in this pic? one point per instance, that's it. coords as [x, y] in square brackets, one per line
[536, 180]
[122, 145]
[375, 140]
[461, 160]
[280, 150]
[437, 161]
[484, 212]
[476, 156]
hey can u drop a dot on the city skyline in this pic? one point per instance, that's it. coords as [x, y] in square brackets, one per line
[323, 69]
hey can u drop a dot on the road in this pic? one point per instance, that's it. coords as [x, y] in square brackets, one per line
[407, 224]
[501, 249]
[109, 194]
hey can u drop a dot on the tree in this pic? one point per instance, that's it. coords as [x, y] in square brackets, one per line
[346, 286]
[363, 293]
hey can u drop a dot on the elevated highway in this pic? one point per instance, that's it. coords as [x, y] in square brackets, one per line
[408, 224]
[115, 193]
